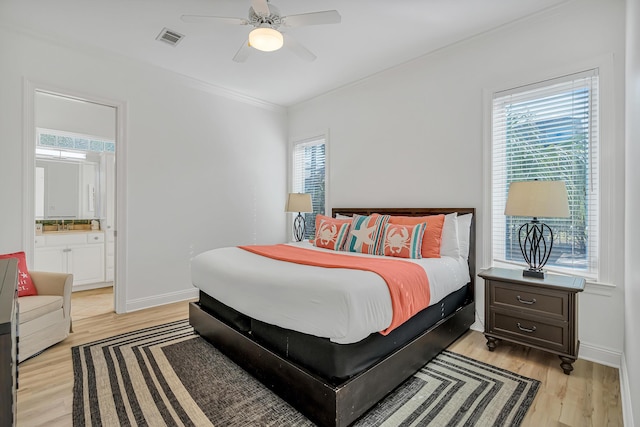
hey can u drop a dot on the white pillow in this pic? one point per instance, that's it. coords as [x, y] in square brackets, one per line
[449, 245]
[464, 231]
[339, 216]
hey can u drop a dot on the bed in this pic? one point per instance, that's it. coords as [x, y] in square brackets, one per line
[330, 373]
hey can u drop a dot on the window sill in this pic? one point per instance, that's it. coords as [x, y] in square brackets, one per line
[599, 288]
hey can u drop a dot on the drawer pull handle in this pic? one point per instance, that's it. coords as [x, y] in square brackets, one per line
[533, 328]
[524, 301]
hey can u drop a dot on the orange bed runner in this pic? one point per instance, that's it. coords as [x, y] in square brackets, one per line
[407, 282]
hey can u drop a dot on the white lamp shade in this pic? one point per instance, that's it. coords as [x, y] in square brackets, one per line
[299, 202]
[266, 39]
[537, 199]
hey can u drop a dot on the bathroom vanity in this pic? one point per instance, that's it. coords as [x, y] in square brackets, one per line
[81, 253]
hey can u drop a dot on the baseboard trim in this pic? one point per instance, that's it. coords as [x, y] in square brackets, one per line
[157, 300]
[477, 327]
[600, 355]
[625, 394]
[89, 286]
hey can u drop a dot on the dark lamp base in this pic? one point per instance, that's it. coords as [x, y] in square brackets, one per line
[537, 274]
[298, 228]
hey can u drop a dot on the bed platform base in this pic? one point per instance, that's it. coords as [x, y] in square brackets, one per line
[322, 402]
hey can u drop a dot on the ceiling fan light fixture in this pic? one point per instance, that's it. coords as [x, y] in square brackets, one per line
[266, 39]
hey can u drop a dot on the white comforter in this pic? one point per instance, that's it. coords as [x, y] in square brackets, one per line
[340, 304]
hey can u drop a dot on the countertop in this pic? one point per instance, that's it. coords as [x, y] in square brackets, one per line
[69, 232]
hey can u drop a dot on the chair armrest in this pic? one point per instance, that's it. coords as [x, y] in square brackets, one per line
[48, 283]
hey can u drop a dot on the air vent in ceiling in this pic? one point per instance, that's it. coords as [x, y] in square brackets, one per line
[169, 36]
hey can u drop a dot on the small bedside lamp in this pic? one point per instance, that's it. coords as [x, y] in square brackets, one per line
[536, 199]
[298, 202]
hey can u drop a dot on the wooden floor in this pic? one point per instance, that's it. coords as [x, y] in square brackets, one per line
[91, 303]
[590, 396]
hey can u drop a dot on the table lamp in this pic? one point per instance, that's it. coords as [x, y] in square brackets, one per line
[299, 202]
[536, 199]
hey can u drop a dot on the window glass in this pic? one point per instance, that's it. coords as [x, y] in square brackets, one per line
[309, 173]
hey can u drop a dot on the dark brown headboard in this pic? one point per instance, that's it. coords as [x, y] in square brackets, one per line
[424, 212]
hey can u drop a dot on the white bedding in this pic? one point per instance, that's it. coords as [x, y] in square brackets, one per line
[343, 305]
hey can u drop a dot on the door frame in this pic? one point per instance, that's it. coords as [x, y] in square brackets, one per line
[28, 209]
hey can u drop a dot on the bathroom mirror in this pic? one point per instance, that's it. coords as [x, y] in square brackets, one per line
[67, 189]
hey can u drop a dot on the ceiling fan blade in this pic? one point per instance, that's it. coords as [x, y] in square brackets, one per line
[202, 19]
[261, 7]
[298, 49]
[313, 18]
[242, 53]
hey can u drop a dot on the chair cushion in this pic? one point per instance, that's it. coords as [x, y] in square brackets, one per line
[32, 307]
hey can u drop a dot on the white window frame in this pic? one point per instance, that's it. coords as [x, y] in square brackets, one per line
[294, 184]
[611, 237]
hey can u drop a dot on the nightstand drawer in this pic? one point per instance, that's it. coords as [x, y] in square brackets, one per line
[540, 332]
[547, 302]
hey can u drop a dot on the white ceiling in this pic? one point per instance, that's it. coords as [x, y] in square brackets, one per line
[374, 35]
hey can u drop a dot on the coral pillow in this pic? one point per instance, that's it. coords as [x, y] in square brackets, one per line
[331, 233]
[365, 235]
[25, 284]
[432, 235]
[404, 241]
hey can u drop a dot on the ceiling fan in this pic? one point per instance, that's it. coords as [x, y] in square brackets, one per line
[266, 20]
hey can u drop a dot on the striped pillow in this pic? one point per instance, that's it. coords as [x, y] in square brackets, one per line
[403, 241]
[331, 233]
[365, 235]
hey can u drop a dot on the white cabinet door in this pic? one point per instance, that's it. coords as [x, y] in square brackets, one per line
[86, 263]
[50, 259]
[88, 202]
[109, 272]
[81, 254]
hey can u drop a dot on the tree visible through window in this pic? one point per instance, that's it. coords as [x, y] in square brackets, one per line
[549, 131]
[309, 177]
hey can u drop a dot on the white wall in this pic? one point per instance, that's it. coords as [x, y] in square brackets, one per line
[70, 115]
[414, 135]
[632, 244]
[203, 169]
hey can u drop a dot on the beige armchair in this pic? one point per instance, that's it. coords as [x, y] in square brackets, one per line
[44, 319]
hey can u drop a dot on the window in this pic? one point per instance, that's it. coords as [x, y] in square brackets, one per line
[549, 131]
[55, 139]
[309, 172]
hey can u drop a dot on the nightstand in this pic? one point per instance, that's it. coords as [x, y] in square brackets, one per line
[540, 313]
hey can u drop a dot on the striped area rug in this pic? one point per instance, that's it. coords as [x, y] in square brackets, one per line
[167, 375]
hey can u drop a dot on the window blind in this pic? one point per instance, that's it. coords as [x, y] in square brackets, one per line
[309, 172]
[549, 131]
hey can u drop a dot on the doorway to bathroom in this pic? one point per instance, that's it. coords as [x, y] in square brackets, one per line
[74, 196]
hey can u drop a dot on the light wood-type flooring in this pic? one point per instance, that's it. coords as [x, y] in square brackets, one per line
[91, 303]
[590, 396]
